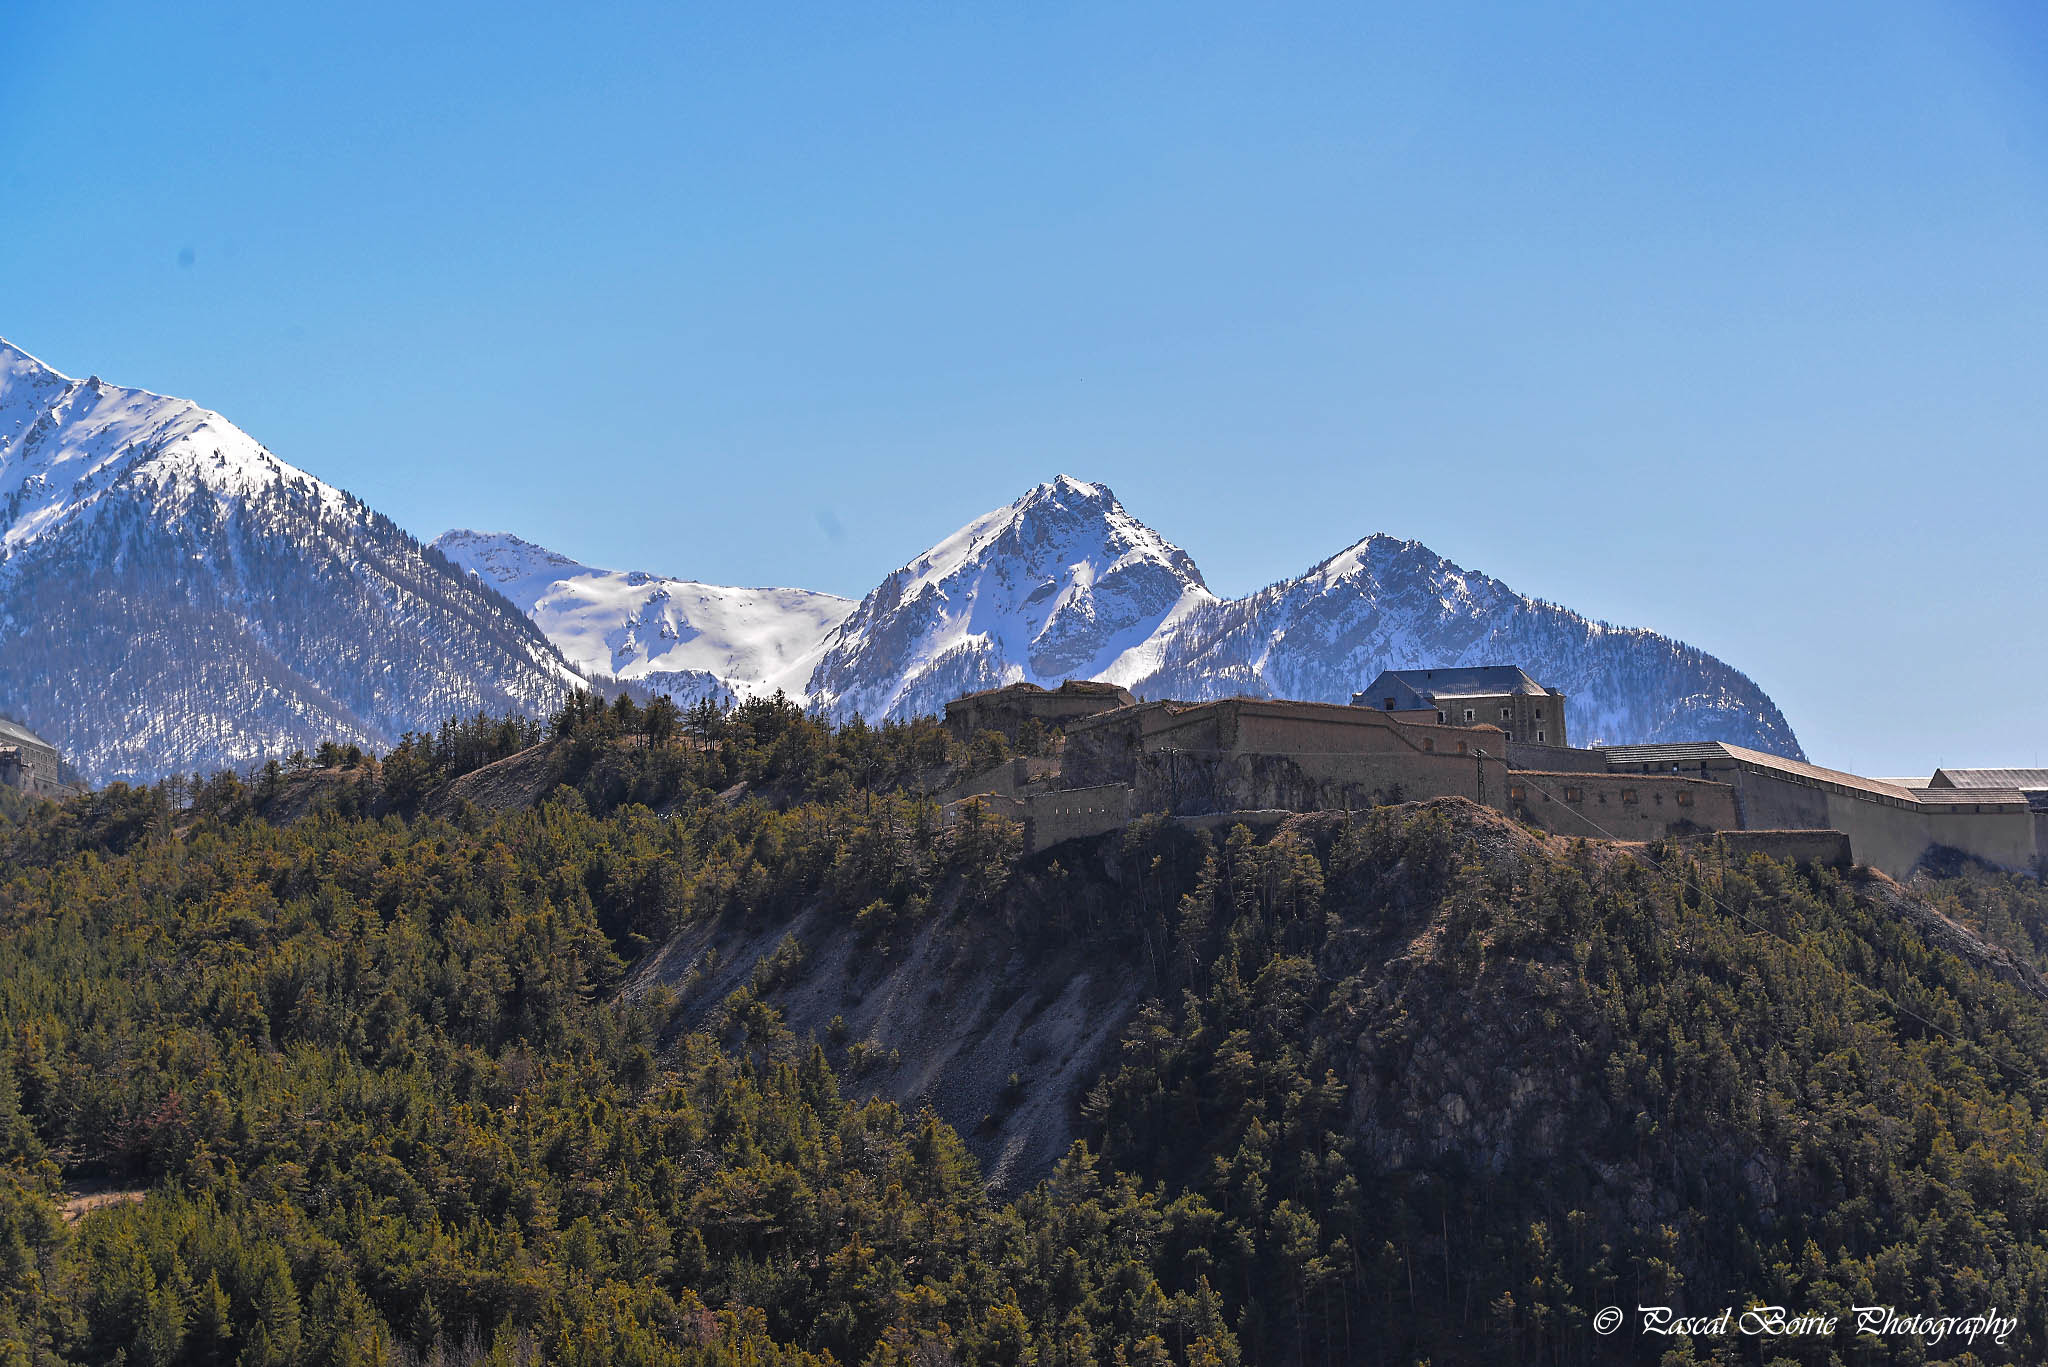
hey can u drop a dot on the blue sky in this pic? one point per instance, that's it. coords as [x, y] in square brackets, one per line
[1724, 320]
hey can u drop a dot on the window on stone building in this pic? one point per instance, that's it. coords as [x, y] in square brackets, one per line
[1461, 747]
[1575, 795]
[1506, 712]
[1684, 798]
[1539, 714]
[1390, 704]
[1428, 743]
[1539, 734]
[1628, 795]
[1468, 714]
[1515, 793]
[1439, 716]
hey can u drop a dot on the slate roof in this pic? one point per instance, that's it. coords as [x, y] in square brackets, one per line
[1970, 797]
[2020, 779]
[1694, 752]
[1412, 689]
[1682, 752]
[14, 733]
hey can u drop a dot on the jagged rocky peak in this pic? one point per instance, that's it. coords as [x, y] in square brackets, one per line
[1062, 583]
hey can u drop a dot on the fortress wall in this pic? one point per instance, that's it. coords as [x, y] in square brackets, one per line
[1895, 839]
[1073, 812]
[1106, 749]
[1007, 709]
[1194, 784]
[1250, 754]
[1363, 732]
[1007, 779]
[1621, 806]
[1831, 848]
[32, 769]
[1770, 803]
[1555, 759]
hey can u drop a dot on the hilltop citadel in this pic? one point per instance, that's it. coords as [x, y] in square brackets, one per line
[1492, 734]
[1093, 757]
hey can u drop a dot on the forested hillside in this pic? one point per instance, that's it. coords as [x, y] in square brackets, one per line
[340, 1064]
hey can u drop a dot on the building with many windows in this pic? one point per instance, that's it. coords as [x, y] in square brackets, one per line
[1474, 695]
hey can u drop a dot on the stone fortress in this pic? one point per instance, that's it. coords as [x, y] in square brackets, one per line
[29, 763]
[1491, 734]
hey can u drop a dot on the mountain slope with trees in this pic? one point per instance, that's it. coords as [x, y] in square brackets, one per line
[1408, 1083]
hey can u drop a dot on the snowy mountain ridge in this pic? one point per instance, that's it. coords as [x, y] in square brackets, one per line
[677, 636]
[952, 621]
[1063, 583]
[174, 597]
[1387, 603]
[67, 445]
[1066, 583]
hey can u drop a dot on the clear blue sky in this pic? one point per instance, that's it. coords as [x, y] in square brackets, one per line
[1729, 320]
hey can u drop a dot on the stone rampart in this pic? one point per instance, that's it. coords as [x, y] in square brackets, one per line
[1242, 754]
[1620, 806]
[1829, 848]
[1070, 813]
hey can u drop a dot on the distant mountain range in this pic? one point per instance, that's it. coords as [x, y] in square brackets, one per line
[173, 597]
[1065, 583]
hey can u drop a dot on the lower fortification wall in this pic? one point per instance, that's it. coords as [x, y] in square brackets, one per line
[1830, 848]
[1070, 813]
[1621, 806]
[1193, 783]
[1896, 839]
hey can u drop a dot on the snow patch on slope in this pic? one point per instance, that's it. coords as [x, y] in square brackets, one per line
[641, 626]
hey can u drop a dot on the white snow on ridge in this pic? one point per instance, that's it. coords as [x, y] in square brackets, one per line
[632, 624]
[64, 443]
[1062, 583]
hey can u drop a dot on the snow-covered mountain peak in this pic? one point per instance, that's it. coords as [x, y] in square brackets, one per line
[512, 565]
[174, 596]
[1062, 517]
[65, 443]
[674, 635]
[1061, 583]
